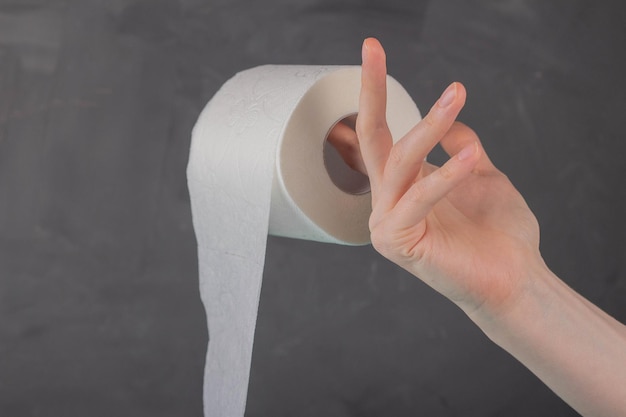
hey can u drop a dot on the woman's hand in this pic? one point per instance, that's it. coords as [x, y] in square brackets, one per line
[462, 228]
[466, 231]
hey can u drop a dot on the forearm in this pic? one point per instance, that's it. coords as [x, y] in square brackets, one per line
[571, 345]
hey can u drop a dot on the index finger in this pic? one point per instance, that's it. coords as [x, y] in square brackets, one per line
[374, 137]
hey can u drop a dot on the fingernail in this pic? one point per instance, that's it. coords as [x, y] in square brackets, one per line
[448, 96]
[467, 152]
[364, 50]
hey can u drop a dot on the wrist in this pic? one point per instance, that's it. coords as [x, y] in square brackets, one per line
[566, 341]
[535, 291]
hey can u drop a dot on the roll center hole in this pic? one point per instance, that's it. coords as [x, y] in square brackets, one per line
[342, 157]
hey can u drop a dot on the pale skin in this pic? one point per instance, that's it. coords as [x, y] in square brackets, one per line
[466, 231]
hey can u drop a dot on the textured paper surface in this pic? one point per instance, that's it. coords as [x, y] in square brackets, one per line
[255, 168]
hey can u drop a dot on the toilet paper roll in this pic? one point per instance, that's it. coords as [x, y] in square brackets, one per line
[257, 166]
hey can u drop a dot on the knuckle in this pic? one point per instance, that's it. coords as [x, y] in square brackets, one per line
[371, 128]
[381, 241]
[378, 241]
[396, 156]
[428, 121]
[446, 172]
[416, 193]
[373, 221]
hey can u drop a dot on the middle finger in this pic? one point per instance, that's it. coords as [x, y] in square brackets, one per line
[407, 155]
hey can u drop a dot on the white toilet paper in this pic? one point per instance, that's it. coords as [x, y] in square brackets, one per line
[256, 166]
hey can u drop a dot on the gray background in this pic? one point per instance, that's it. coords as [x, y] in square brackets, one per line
[99, 306]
